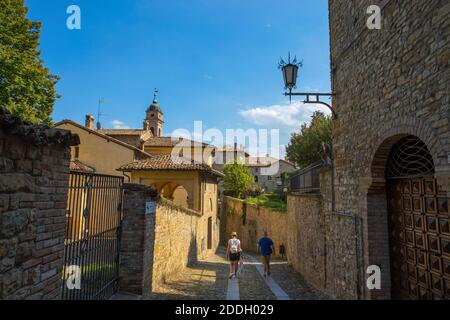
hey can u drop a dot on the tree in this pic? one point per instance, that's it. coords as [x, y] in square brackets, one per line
[305, 148]
[27, 88]
[237, 181]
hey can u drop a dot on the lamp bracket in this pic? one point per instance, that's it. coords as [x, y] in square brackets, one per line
[314, 98]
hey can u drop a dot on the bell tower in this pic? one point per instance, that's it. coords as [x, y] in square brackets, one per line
[154, 118]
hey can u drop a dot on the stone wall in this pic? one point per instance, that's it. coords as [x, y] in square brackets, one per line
[34, 176]
[250, 221]
[389, 83]
[176, 245]
[158, 245]
[318, 239]
[306, 238]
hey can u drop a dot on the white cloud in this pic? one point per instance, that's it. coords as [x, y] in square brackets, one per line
[285, 115]
[117, 124]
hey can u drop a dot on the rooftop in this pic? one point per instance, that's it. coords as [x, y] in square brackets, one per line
[78, 166]
[264, 161]
[104, 136]
[168, 162]
[124, 132]
[172, 142]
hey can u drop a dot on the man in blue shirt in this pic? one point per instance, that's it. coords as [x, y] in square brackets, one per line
[266, 249]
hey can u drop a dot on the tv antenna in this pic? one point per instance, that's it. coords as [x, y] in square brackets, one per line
[101, 101]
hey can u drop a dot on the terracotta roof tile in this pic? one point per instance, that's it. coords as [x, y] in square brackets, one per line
[264, 161]
[171, 142]
[77, 165]
[124, 132]
[104, 136]
[167, 162]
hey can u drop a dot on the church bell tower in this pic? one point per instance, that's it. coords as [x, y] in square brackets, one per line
[154, 118]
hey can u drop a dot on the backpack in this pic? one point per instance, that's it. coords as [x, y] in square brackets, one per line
[234, 247]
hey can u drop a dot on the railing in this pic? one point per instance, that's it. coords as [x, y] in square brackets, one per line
[93, 220]
[307, 181]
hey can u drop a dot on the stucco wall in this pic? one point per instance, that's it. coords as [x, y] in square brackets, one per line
[105, 156]
[199, 154]
[250, 222]
[190, 180]
[209, 211]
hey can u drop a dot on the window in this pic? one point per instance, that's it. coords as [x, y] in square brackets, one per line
[269, 178]
[77, 152]
[256, 178]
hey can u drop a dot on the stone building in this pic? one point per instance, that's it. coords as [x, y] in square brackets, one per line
[391, 150]
[267, 171]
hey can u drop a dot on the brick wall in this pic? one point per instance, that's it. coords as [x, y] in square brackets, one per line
[34, 172]
[137, 240]
[250, 221]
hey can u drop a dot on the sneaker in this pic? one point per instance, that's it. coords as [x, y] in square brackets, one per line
[231, 275]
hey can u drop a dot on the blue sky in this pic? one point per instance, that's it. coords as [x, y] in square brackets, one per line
[212, 60]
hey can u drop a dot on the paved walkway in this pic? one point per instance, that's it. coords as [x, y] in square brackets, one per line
[208, 280]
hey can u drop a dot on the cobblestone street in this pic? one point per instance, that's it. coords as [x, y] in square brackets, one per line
[208, 280]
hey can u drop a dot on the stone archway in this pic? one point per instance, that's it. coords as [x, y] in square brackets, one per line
[180, 196]
[400, 237]
[376, 233]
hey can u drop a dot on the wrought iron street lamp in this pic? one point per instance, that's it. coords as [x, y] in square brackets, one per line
[290, 74]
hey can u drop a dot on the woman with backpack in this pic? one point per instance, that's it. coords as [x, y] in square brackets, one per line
[234, 253]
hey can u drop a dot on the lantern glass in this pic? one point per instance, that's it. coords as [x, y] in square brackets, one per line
[290, 72]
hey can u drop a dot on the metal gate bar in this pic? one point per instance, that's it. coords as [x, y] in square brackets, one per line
[93, 220]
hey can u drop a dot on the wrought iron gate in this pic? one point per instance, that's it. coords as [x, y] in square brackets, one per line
[93, 221]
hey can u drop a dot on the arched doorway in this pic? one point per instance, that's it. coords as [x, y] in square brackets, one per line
[419, 224]
[180, 196]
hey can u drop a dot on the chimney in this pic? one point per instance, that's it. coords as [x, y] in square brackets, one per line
[146, 125]
[89, 121]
